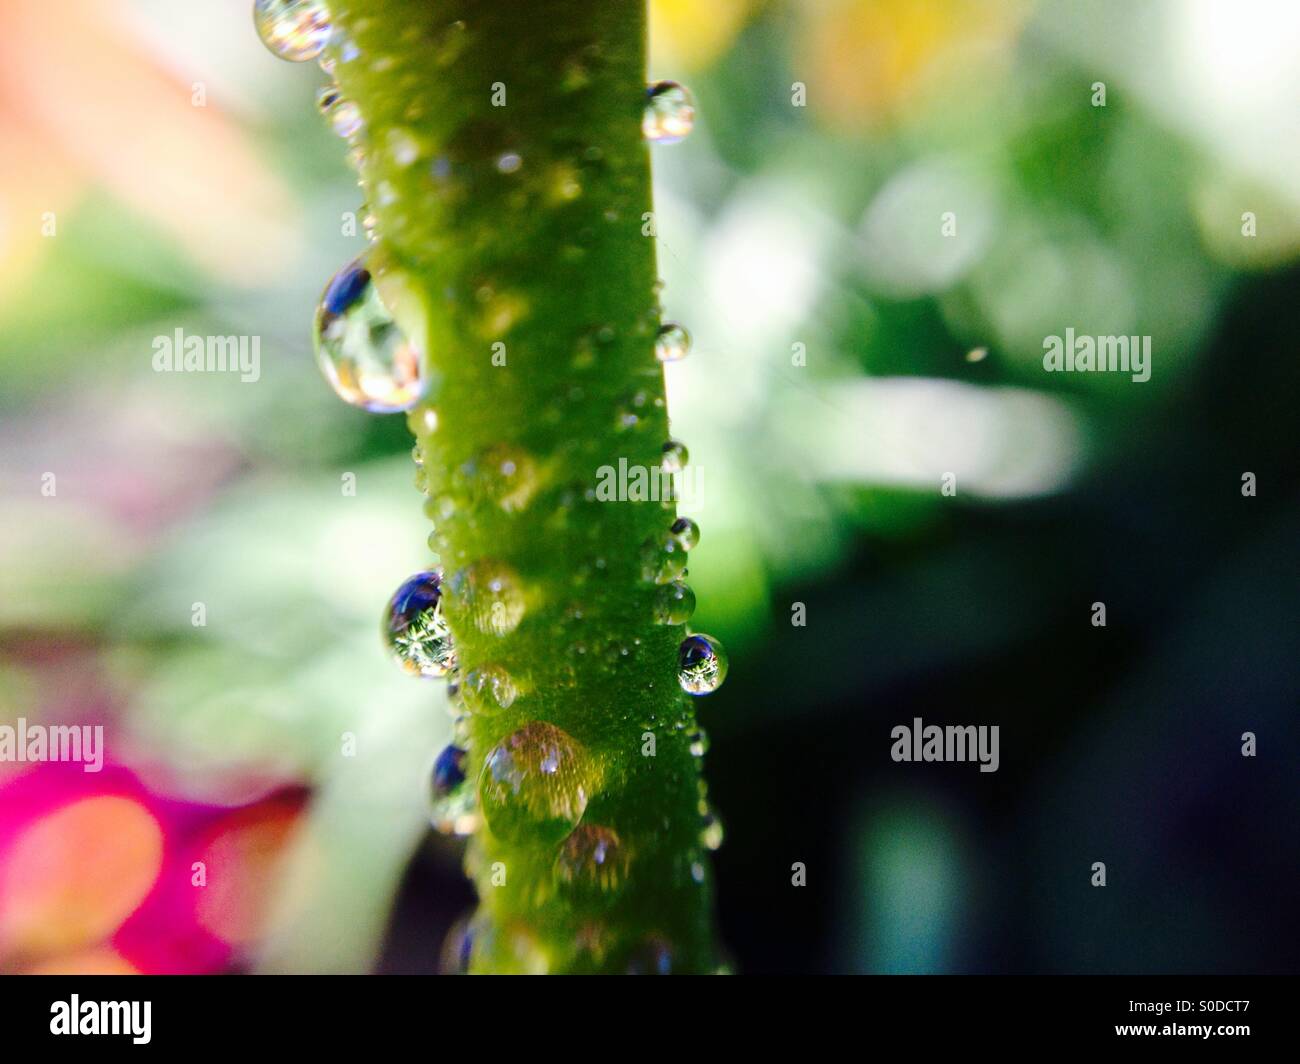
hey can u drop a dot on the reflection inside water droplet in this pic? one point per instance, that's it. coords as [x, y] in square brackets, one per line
[452, 809]
[687, 532]
[669, 113]
[592, 857]
[296, 30]
[535, 784]
[415, 628]
[360, 349]
[702, 664]
[672, 343]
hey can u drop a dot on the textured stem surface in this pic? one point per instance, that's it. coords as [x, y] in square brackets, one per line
[506, 168]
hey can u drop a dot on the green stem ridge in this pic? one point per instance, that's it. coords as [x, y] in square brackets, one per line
[513, 237]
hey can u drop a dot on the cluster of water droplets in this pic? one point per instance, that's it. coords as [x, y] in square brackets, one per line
[702, 660]
[362, 349]
[535, 783]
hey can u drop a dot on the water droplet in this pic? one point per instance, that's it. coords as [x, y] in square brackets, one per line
[565, 184]
[345, 118]
[698, 739]
[509, 162]
[675, 456]
[686, 531]
[669, 113]
[489, 689]
[296, 30]
[702, 664]
[674, 603]
[592, 857]
[460, 730]
[327, 98]
[711, 832]
[672, 343]
[663, 559]
[403, 148]
[360, 348]
[535, 785]
[505, 474]
[452, 810]
[422, 420]
[416, 629]
[488, 591]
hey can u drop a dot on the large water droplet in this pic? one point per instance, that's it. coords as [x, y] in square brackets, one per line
[674, 603]
[490, 689]
[296, 30]
[686, 531]
[489, 592]
[453, 796]
[535, 784]
[702, 664]
[672, 343]
[669, 113]
[593, 857]
[361, 350]
[416, 629]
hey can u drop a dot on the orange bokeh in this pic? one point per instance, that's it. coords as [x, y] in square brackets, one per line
[72, 877]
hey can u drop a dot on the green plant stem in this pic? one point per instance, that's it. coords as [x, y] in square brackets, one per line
[516, 231]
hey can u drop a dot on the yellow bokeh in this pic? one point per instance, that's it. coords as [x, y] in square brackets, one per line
[862, 59]
[692, 33]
